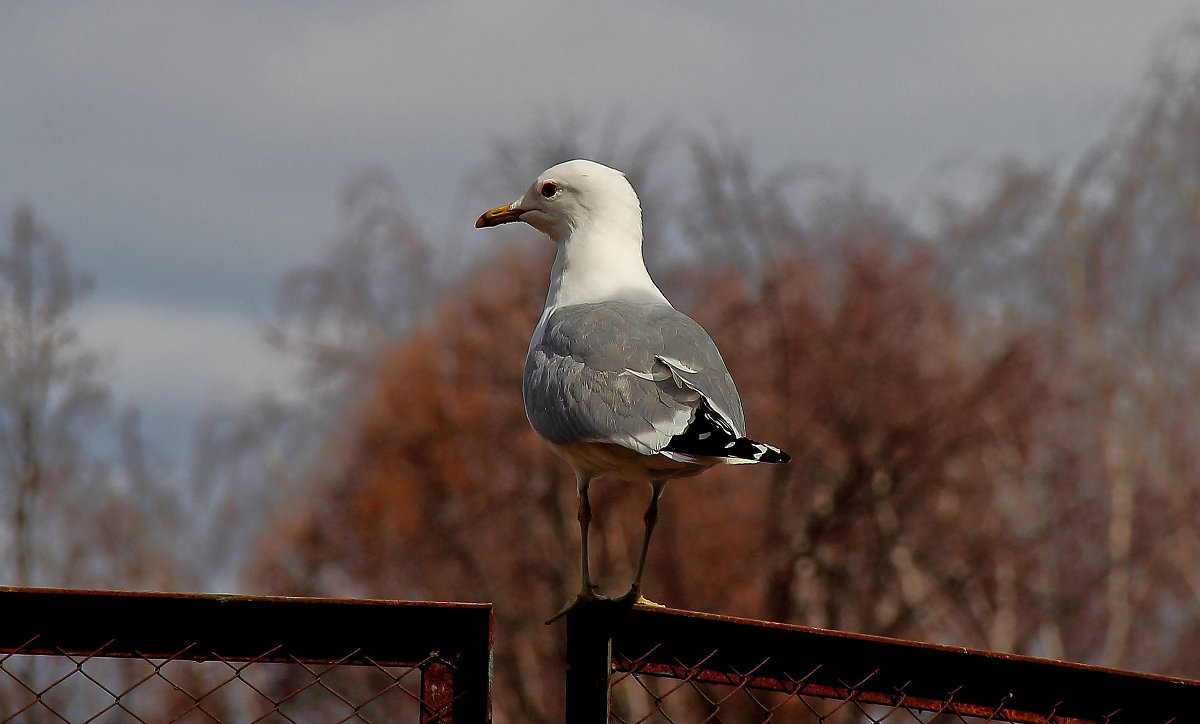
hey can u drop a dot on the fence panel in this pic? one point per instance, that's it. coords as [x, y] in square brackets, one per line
[663, 665]
[100, 656]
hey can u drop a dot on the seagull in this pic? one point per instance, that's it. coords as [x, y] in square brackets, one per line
[617, 381]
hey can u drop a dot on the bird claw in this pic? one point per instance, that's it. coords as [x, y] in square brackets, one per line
[585, 596]
[634, 597]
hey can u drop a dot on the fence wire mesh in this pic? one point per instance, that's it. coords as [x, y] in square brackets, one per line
[99, 688]
[239, 659]
[639, 697]
[680, 668]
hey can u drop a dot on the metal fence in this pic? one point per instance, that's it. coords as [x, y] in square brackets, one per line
[93, 656]
[659, 665]
[89, 656]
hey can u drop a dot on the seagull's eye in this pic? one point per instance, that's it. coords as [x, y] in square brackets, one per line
[549, 189]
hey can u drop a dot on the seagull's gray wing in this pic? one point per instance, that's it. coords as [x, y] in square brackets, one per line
[627, 373]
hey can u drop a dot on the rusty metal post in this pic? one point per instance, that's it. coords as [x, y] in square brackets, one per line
[589, 662]
[437, 693]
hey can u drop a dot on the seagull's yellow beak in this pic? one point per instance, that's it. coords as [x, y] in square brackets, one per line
[499, 215]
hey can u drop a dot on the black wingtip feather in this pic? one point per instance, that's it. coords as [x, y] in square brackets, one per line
[709, 436]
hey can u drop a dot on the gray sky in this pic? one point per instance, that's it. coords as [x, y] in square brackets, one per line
[190, 153]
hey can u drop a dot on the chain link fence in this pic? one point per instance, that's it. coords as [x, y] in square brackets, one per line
[87, 656]
[653, 665]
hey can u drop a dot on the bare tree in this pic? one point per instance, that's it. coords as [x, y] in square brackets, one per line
[1125, 240]
[336, 316]
[87, 502]
[49, 388]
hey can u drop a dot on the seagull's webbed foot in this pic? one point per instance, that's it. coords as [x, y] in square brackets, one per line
[586, 595]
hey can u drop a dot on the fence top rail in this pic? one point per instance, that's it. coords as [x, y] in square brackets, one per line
[240, 627]
[821, 662]
[180, 596]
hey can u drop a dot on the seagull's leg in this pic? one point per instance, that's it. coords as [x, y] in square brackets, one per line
[587, 589]
[651, 517]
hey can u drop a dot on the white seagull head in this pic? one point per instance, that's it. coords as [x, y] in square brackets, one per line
[575, 196]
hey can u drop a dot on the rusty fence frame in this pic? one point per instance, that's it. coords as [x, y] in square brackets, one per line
[450, 642]
[606, 642]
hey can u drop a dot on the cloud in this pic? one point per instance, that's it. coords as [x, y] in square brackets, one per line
[173, 362]
[190, 153]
